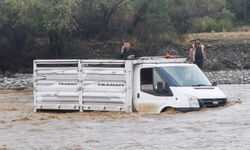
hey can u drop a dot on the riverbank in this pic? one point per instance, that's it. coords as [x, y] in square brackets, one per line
[24, 81]
[16, 81]
[229, 76]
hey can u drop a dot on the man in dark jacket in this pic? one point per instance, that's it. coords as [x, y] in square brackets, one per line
[128, 53]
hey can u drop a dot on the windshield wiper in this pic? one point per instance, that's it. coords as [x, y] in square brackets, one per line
[201, 85]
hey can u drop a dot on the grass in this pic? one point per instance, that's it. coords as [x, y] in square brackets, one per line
[220, 37]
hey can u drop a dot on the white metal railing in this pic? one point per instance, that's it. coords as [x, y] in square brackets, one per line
[50, 75]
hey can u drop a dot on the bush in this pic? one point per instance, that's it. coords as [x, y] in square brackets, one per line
[208, 24]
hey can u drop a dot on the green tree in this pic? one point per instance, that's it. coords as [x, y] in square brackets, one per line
[56, 20]
[14, 22]
[19, 18]
[241, 8]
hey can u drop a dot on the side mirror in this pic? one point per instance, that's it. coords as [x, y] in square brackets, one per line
[214, 83]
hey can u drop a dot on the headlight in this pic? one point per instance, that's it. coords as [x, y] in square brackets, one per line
[193, 101]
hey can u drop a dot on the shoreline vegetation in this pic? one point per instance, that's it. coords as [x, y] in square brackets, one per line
[95, 29]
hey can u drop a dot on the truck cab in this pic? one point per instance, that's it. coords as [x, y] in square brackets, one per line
[182, 86]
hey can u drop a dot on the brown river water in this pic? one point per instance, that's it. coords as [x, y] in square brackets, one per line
[220, 128]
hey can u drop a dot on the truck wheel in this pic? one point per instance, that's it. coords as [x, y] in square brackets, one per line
[169, 110]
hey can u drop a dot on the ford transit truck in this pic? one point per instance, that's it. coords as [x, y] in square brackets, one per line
[148, 84]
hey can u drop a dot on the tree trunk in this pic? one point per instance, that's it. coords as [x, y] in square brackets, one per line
[138, 17]
[56, 44]
[16, 37]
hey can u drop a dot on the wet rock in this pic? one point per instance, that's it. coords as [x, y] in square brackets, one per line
[231, 65]
[247, 66]
[7, 74]
[3, 85]
[229, 76]
[16, 81]
[17, 86]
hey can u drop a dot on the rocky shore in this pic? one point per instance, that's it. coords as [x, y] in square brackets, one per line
[24, 81]
[229, 76]
[16, 81]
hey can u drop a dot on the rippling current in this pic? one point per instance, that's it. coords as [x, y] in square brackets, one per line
[216, 129]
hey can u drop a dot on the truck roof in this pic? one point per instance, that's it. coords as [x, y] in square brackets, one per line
[159, 60]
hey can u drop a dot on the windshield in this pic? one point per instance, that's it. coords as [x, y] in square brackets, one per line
[184, 76]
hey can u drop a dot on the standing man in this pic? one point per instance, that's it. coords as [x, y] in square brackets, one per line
[128, 53]
[197, 53]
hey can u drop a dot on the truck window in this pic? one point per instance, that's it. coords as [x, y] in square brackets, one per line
[146, 79]
[152, 83]
[180, 76]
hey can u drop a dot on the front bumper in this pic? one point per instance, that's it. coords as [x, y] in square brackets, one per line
[212, 102]
[189, 109]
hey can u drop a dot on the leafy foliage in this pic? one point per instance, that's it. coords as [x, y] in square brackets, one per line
[58, 28]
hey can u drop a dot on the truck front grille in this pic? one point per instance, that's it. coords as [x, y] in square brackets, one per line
[212, 102]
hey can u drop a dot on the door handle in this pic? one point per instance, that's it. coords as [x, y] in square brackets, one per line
[138, 95]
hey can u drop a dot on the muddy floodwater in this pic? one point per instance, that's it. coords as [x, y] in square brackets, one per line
[220, 128]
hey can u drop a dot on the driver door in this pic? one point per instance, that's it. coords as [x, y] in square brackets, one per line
[154, 92]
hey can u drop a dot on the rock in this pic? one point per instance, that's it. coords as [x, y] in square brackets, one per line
[17, 86]
[229, 77]
[247, 66]
[17, 82]
[3, 85]
[229, 64]
[7, 74]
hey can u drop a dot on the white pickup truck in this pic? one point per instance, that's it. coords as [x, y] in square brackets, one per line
[145, 85]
